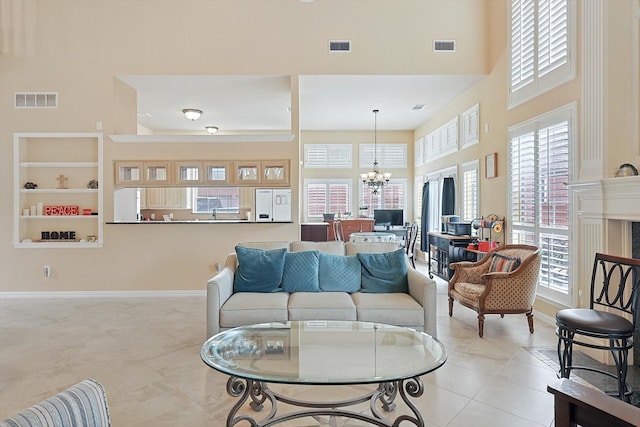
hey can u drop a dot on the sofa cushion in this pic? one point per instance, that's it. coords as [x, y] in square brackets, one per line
[339, 273]
[321, 305]
[247, 308]
[335, 247]
[390, 308]
[300, 272]
[385, 272]
[258, 270]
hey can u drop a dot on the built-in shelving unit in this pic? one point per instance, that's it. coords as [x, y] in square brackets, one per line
[61, 164]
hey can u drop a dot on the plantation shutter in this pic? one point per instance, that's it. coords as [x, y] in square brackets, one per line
[388, 155]
[522, 43]
[553, 41]
[327, 156]
[523, 199]
[470, 192]
[316, 200]
[338, 198]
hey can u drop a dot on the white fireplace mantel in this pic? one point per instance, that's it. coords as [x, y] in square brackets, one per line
[611, 198]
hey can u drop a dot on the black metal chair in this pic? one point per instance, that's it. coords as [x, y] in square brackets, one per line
[412, 236]
[615, 284]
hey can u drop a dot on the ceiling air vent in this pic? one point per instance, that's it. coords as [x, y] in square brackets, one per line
[36, 100]
[339, 46]
[444, 45]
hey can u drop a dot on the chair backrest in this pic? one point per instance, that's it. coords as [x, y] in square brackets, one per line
[337, 230]
[412, 236]
[83, 404]
[615, 283]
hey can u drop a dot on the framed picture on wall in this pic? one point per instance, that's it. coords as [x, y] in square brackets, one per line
[490, 165]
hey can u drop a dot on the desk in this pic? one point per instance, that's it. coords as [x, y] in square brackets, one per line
[317, 353]
[375, 236]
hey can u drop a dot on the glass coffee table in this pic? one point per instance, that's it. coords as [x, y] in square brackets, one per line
[324, 353]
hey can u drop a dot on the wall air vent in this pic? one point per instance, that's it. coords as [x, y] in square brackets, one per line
[36, 100]
[340, 46]
[418, 107]
[444, 45]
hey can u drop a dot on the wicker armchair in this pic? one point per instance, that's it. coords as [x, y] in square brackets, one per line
[503, 282]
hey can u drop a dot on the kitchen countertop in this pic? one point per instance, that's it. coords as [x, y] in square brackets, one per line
[202, 221]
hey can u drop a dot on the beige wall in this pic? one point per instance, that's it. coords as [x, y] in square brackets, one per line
[79, 48]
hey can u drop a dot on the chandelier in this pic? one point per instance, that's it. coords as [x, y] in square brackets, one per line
[374, 179]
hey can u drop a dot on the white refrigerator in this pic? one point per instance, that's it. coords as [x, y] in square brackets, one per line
[273, 204]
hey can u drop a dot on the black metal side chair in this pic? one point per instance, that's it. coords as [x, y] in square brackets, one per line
[615, 287]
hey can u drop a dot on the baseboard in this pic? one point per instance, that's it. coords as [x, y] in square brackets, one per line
[103, 294]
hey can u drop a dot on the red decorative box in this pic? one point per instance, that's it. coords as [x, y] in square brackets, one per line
[486, 246]
[61, 210]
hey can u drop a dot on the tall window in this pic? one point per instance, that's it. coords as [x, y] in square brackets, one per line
[326, 196]
[469, 190]
[542, 52]
[540, 167]
[391, 196]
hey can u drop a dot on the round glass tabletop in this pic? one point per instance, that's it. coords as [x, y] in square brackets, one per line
[323, 352]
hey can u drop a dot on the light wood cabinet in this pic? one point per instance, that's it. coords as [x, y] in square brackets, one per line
[196, 173]
[275, 172]
[216, 172]
[188, 172]
[246, 172]
[165, 198]
[351, 226]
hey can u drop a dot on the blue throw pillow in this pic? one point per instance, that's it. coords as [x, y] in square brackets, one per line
[386, 272]
[258, 270]
[300, 272]
[339, 273]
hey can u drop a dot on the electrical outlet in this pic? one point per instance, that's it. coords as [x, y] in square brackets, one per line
[47, 271]
[217, 267]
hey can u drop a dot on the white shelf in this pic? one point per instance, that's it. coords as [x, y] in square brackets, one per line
[59, 164]
[86, 148]
[61, 217]
[70, 245]
[59, 190]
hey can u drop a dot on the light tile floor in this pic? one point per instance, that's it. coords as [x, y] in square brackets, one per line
[146, 353]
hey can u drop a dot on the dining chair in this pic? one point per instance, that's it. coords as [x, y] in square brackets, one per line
[410, 244]
[608, 322]
[337, 230]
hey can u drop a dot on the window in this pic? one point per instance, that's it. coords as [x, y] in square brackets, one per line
[442, 141]
[540, 166]
[327, 155]
[222, 199]
[470, 120]
[388, 155]
[326, 196]
[541, 47]
[469, 190]
[391, 196]
[419, 152]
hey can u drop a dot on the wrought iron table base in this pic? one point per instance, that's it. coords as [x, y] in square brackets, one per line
[386, 393]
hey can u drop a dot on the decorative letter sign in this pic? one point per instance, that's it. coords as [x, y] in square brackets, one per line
[61, 210]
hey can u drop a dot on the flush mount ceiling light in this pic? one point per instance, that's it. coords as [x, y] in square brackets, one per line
[374, 179]
[192, 114]
[211, 129]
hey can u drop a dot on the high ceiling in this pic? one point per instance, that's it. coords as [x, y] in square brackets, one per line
[261, 103]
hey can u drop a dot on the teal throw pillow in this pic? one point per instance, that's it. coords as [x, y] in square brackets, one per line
[259, 270]
[300, 272]
[339, 273]
[386, 272]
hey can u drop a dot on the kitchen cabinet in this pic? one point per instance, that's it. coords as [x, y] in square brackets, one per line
[165, 198]
[350, 226]
[188, 172]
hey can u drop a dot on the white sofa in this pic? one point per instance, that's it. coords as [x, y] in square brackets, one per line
[226, 309]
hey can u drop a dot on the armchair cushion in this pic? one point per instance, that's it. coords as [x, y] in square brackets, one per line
[300, 272]
[259, 270]
[503, 263]
[385, 272]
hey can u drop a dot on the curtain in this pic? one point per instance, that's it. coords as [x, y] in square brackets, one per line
[424, 227]
[448, 196]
